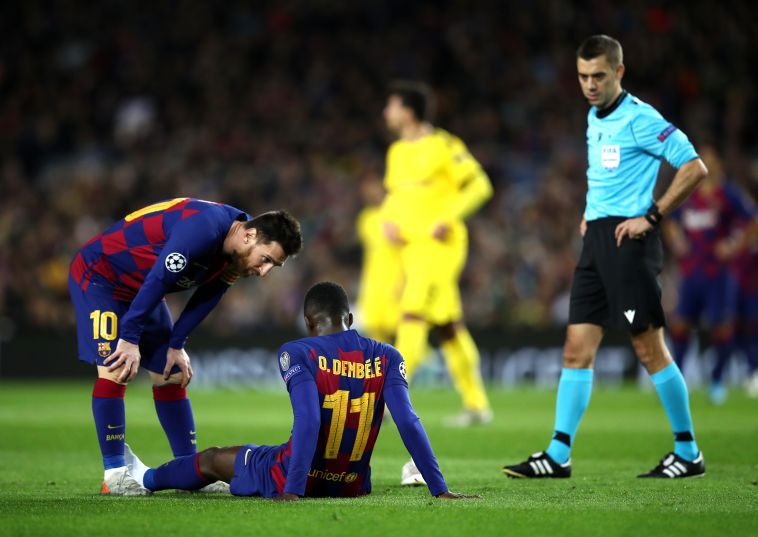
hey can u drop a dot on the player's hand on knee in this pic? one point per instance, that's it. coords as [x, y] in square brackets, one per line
[634, 228]
[458, 496]
[180, 359]
[126, 357]
[287, 497]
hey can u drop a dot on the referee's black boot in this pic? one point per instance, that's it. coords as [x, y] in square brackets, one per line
[672, 466]
[538, 465]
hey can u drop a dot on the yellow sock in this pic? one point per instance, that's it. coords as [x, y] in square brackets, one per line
[462, 358]
[412, 336]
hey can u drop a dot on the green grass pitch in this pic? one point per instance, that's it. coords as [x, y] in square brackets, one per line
[50, 470]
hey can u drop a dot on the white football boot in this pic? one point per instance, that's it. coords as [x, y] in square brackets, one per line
[410, 476]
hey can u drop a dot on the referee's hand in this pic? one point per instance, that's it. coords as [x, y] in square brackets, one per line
[634, 228]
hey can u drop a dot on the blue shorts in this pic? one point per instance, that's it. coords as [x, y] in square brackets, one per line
[714, 298]
[98, 316]
[252, 471]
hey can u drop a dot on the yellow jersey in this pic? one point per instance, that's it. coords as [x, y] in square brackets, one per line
[432, 180]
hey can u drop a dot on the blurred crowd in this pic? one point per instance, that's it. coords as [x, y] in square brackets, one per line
[109, 106]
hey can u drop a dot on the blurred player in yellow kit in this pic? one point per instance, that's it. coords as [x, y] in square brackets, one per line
[382, 276]
[433, 183]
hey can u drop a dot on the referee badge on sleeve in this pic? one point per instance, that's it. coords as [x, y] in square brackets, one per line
[610, 156]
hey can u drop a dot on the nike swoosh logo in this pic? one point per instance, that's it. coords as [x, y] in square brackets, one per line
[115, 426]
[247, 454]
[192, 432]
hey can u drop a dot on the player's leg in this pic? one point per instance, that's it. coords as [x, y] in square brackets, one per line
[172, 405]
[686, 315]
[574, 390]
[97, 319]
[574, 387]
[721, 310]
[686, 459]
[193, 472]
[462, 358]
[748, 336]
[413, 327]
[588, 310]
[458, 347]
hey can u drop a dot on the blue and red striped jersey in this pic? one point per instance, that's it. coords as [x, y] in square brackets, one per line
[352, 374]
[706, 218]
[166, 247]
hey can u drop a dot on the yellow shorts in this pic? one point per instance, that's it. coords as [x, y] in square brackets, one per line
[432, 269]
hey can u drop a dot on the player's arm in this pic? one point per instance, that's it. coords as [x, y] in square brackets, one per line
[743, 220]
[409, 426]
[306, 423]
[414, 436]
[200, 304]
[474, 186]
[663, 140]
[191, 238]
[686, 179]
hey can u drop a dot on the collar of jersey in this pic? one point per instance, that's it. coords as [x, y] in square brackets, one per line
[600, 114]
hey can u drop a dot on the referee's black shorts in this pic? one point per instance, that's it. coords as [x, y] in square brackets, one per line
[617, 286]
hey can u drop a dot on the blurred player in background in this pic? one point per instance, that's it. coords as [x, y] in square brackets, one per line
[338, 382]
[381, 274]
[118, 281]
[703, 235]
[433, 183]
[746, 269]
[615, 282]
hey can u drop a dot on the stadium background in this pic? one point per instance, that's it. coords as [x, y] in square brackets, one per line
[109, 107]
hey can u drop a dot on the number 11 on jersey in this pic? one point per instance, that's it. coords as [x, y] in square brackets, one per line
[364, 406]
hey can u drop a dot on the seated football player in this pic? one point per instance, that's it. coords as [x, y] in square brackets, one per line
[338, 383]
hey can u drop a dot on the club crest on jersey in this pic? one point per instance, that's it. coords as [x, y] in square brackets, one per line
[401, 368]
[175, 262]
[284, 361]
[104, 348]
[610, 156]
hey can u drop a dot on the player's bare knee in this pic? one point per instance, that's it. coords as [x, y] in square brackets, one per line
[578, 354]
[158, 380]
[103, 373]
[651, 353]
[206, 462]
[574, 357]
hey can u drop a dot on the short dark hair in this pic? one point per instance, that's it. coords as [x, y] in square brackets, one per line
[601, 45]
[326, 298]
[278, 226]
[415, 95]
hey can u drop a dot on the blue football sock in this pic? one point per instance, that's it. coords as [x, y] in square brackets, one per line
[723, 354]
[574, 390]
[110, 421]
[680, 344]
[669, 383]
[181, 473]
[175, 414]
